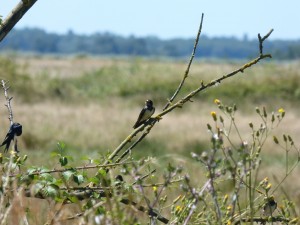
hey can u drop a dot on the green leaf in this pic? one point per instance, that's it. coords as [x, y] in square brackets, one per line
[100, 210]
[54, 154]
[68, 174]
[32, 170]
[47, 177]
[58, 182]
[89, 204]
[27, 179]
[51, 191]
[95, 180]
[36, 188]
[102, 172]
[73, 199]
[61, 146]
[78, 179]
[63, 161]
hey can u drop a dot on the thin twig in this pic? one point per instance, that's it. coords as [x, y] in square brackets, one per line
[5, 86]
[126, 202]
[76, 216]
[128, 139]
[73, 168]
[123, 143]
[181, 102]
[188, 67]
[196, 199]
[261, 40]
[145, 176]
[135, 143]
[263, 220]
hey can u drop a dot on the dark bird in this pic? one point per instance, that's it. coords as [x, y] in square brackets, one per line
[14, 130]
[145, 114]
[269, 206]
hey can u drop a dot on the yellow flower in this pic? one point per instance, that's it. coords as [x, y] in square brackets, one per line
[266, 179]
[225, 199]
[178, 209]
[268, 187]
[282, 112]
[13, 153]
[214, 115]
[217, 101]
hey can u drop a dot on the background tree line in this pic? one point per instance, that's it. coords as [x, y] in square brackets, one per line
[40, 41]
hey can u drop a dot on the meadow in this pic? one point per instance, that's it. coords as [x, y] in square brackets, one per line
[91, 103]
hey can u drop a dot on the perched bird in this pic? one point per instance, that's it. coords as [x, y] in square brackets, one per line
[14, 130]
[269, 206]
[145, 114]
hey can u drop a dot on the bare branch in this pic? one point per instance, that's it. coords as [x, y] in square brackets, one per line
[5, 86]
[188, 97]
[87, 194]
[261, 40]
[135, 143]
[263, 220]
[188, 67]
[128, 139]
[180, 103]
[74, 168]
[15, 15]
[126, 202]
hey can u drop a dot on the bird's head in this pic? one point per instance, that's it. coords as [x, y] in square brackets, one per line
[149, 103]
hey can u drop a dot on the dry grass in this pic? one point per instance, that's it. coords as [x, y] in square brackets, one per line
[92, 127]
[61, 67]
[100, 125]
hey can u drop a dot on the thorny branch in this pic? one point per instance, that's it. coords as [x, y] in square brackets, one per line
[185, 99]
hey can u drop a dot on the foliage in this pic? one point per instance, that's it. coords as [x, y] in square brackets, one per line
[264, 85]
[230, 191]
[39, 41]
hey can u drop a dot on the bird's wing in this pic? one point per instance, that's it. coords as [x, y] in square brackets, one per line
[140, 118]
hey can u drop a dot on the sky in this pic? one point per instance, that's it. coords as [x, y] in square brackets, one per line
[164, 18]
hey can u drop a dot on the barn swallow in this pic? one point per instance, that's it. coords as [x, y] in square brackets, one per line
[145, 114]
[14, 130]
[269, 206]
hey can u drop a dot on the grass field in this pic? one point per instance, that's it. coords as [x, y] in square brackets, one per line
[92, 103]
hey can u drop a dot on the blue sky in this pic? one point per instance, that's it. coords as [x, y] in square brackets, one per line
[164, 18]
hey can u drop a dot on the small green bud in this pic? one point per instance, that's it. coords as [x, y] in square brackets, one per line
[275, 140]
